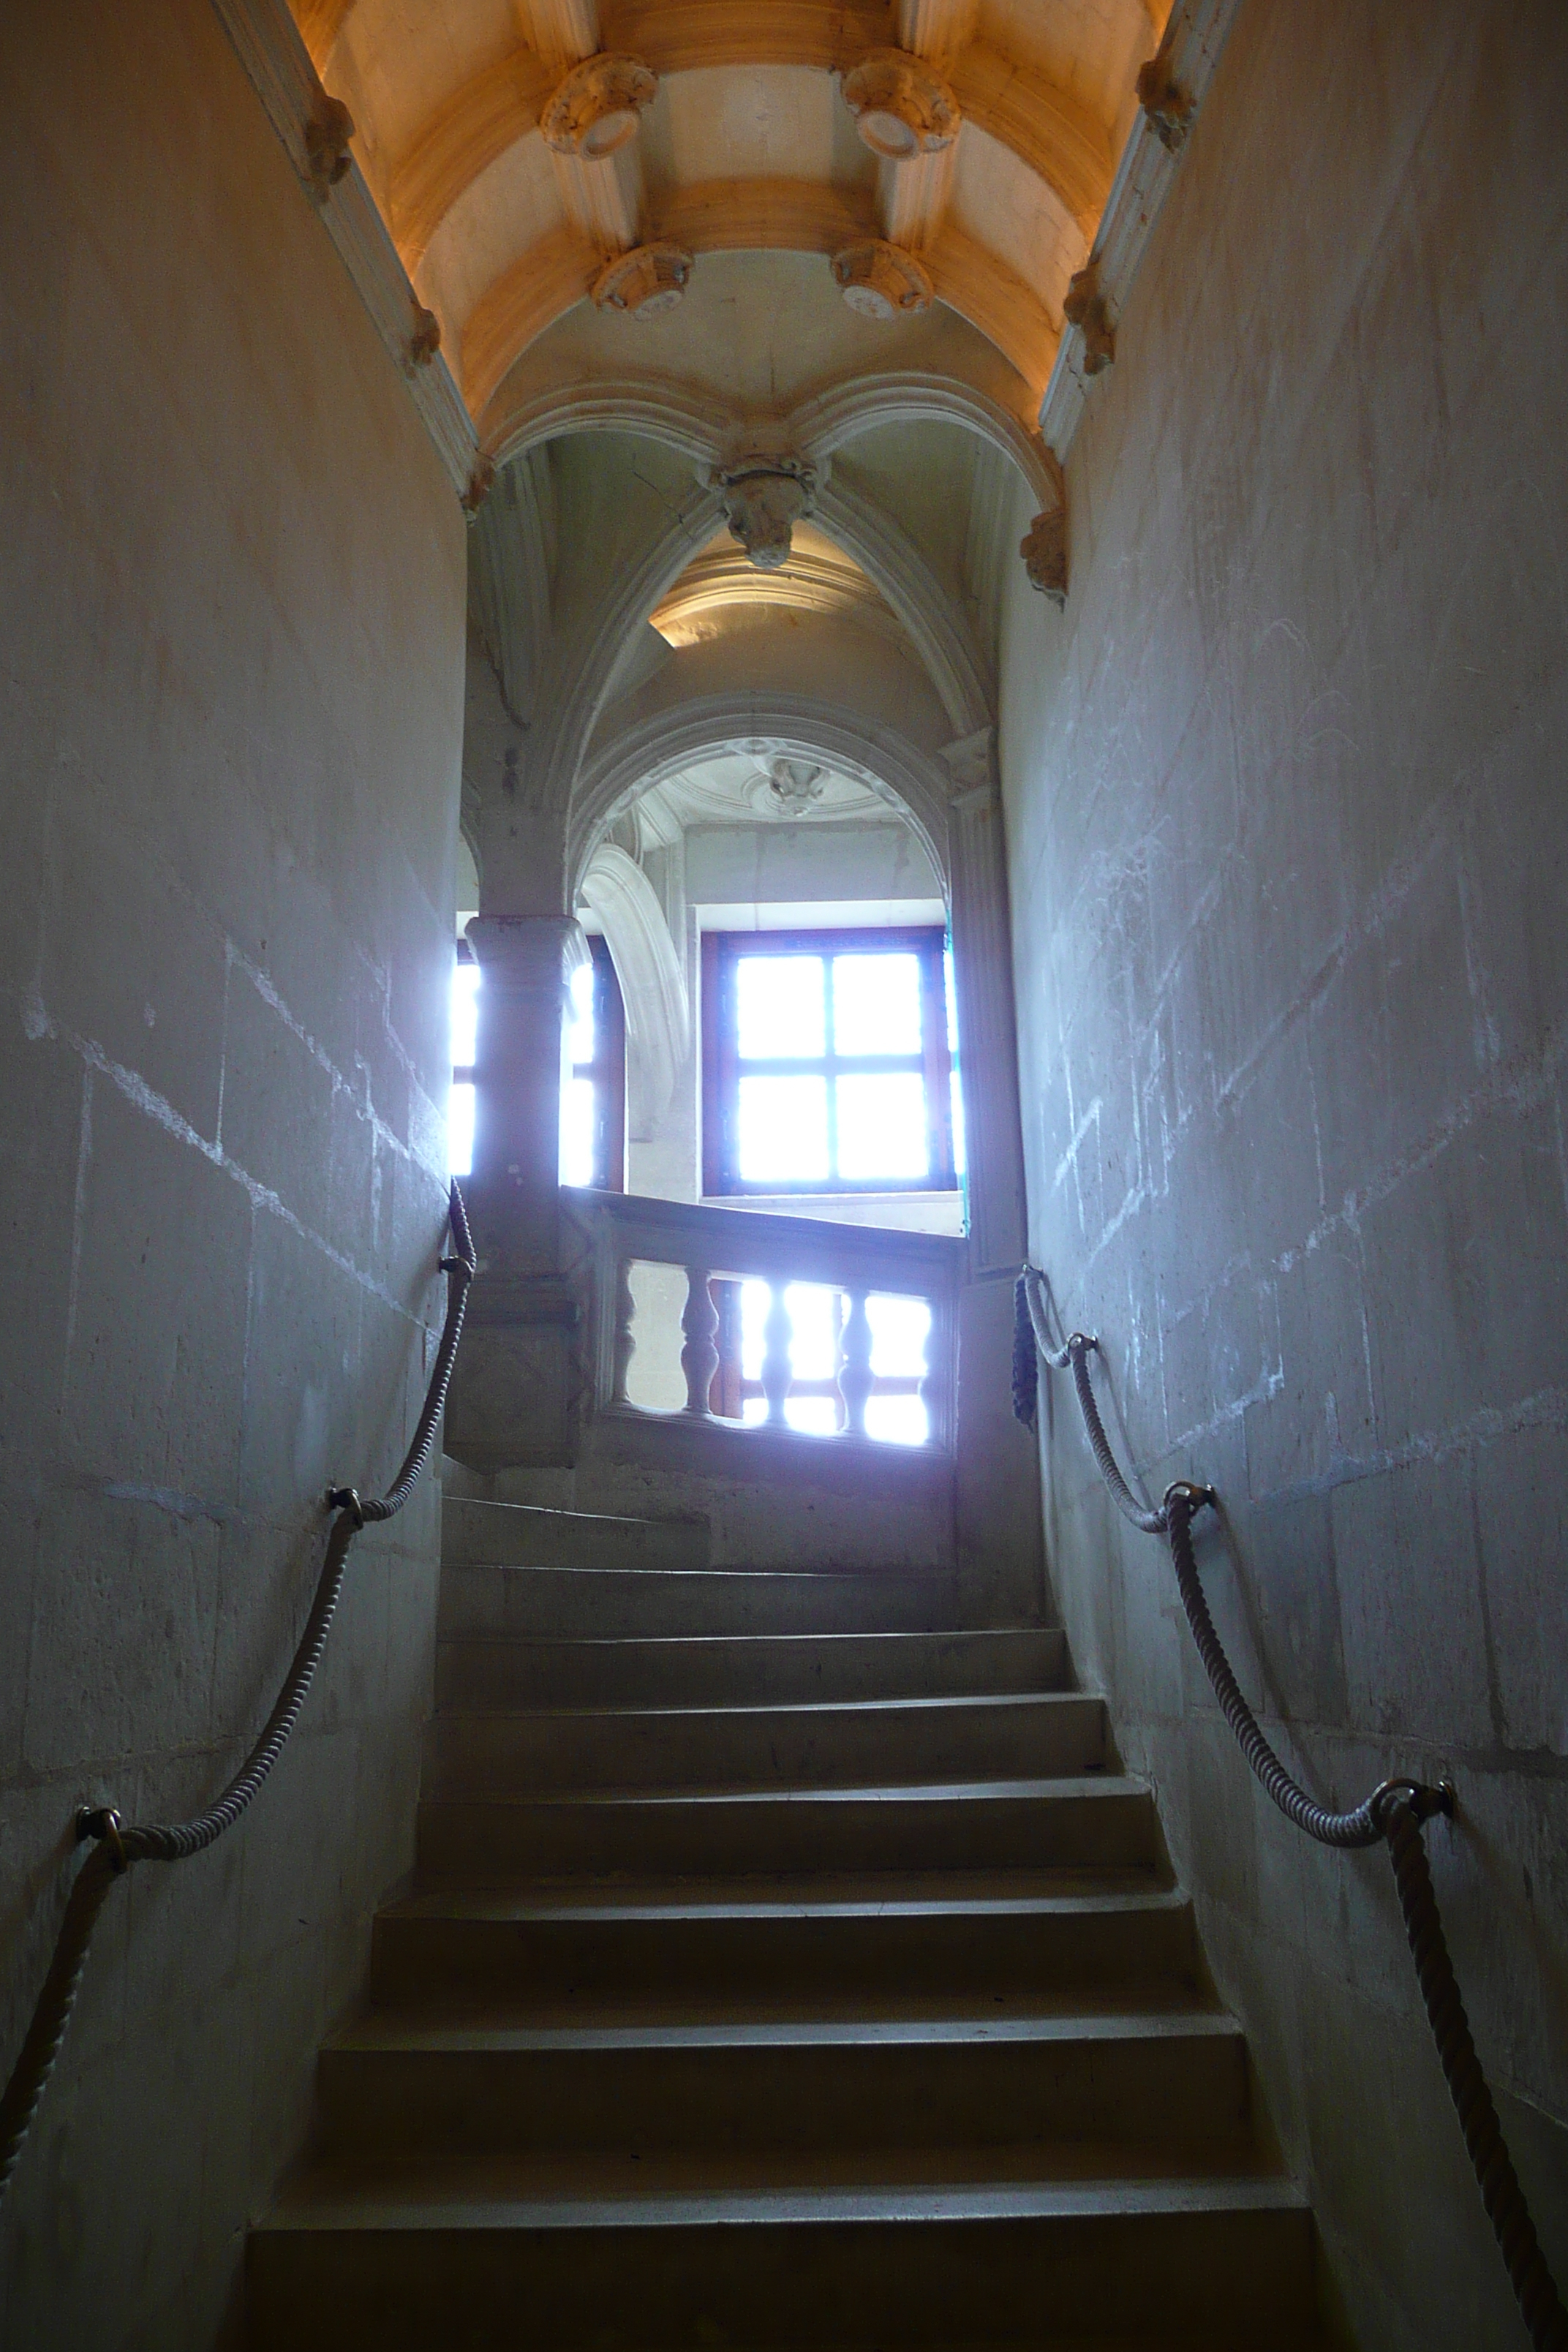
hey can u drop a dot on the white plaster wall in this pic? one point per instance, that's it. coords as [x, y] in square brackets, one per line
[231, 656]
[1288, 839]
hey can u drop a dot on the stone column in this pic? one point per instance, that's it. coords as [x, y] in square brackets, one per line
[526, 963]
[517, 1379]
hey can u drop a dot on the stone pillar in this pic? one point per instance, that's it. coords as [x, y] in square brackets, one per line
[517, 1379]
[1000, 1542]
[526, 964]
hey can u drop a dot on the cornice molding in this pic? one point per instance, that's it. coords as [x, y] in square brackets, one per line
[1173, 87]
[268, 44]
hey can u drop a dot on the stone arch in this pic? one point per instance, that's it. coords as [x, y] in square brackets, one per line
[897, 770]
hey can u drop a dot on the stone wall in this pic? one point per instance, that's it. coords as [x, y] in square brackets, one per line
[231, 661]
[1289, 837]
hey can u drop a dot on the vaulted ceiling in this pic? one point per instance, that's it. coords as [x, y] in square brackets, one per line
[753, 203]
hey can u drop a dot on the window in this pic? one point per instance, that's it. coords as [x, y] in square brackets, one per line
[465, 1049]
[826, 1063]
[594, 1097]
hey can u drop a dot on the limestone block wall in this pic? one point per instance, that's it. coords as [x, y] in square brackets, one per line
[231, 661]
[1288, 835]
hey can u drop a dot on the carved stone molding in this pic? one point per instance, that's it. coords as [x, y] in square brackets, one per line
[795, 784]
[883, 281]
[598, 107]
[764, 498]
[314, 130]
[1083, 306]
[1171, 88]
[646, 282]
[1045, 554]
[902, 107]
[424, 341]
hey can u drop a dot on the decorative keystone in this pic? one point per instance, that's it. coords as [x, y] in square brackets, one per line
[1168, 108]
[646, 282]
[1084, 308]
[764, 498]
[882, 281]
[1045, 554]
[901, 106]
[793, 784]
[598, 107]
[326, 135]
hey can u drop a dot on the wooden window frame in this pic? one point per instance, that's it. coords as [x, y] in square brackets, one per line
[722, 951]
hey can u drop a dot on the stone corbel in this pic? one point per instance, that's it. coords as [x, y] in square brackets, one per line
[1168, 108]
[1084, 307]
[902, 105]
[1045, 554]
[883, 281]
[764, 499]
[598, 107]
[328, 131]
[481, 482]
[424, 341]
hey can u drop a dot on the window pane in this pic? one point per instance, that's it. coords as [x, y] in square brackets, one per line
[755, 1301]
[900, 1328]
[882, 1126]
[814, 1345]
[818, 1417]
[577, 1132]
[898, 1420]
[782, 1130]
[580, 1027]
[465, 1014]
[460, 1131]
[875, 1005]
[778, 1007]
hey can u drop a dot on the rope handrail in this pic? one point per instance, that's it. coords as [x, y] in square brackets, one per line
[1394, 1812]
[118, 1845]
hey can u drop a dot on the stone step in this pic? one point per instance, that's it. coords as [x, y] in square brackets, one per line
[523, 1534]
[991, 1824]
[392, 2088]
[492, 1598]
[583, 2258]
[881, 1941]
[1024, 1737]
[717, 1668]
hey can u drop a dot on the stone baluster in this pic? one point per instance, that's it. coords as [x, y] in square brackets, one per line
[699, 1357]
[929, 1391]
[624, 1342]
[855, 1364]
[778, 1332]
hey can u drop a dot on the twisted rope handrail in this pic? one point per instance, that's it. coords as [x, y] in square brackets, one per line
[1393, 1811]
[119, 1845]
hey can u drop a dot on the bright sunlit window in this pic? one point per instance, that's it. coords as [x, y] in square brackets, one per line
[594, 1093]
[465, 1051]
[896, 1413]
[827, 1063]
[593, 1097]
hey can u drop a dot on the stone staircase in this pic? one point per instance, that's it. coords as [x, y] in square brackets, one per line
[783, 1967]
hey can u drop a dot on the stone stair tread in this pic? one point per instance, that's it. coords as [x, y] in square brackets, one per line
[850, 1896]
[1043, 2180]
[398, 2030]
[859, 1710]
[1093, 1785]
